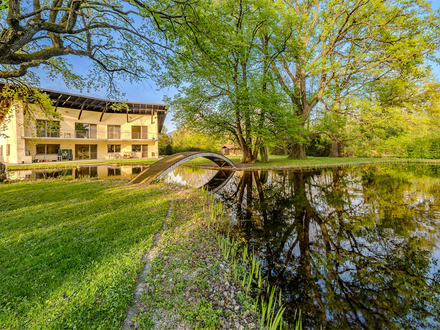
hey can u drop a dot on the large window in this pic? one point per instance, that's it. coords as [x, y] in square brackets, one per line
[113, 131]
[46, 128]
[143, 148]
[1, 151]
[47, 149]
[113, 148]
[85, 131]
[8, 150]
[139, 132]
[86, 151]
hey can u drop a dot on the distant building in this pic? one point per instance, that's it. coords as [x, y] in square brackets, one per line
[231, 150]
[90, 129]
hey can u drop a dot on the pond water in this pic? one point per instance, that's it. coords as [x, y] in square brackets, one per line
[102, 171]
[352, 248]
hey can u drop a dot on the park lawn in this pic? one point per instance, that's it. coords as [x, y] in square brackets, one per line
[70, 252]
[284, 161]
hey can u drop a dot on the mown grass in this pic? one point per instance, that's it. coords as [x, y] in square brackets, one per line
[284, 161]
[70, 252]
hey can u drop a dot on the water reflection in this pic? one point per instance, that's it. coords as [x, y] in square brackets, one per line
[351, 248]
[102, 171]
[211, 180]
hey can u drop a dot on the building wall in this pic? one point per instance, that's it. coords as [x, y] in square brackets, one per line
[23, 139]
[13, 137]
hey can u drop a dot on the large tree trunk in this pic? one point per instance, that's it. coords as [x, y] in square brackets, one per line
[336, 150]
[298, 151]
[264, 155]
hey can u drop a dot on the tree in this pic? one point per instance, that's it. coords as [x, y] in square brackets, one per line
[184, 140]
[396, 116]
[346, 44]
[109, 33]
[114, 35]
[223, 70]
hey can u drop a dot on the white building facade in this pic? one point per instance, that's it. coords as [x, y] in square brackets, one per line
[89, 129]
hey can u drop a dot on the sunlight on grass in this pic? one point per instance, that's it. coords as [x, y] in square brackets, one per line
[71, 251]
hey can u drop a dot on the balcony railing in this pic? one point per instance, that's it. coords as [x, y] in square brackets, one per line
[101, 135]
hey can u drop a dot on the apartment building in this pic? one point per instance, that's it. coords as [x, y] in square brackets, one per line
[89, 129]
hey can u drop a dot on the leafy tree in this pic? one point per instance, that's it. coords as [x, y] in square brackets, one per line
[114, 35]
[223, 70]
[347, 44]
[184, 140]
[397, 116]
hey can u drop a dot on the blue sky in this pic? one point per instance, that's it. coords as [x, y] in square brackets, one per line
[145, 92]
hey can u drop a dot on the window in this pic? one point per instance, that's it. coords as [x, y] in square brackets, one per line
[113, 131]
[8, 150]
[140, 148]
[1, 151]
[139, 132]
[86, 151]
[85, 131]
[48, 149]
[47, 128]
[113, 148]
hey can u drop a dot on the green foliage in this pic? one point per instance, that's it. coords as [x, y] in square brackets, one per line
[169, 149]
[192, 141]
[319, 146]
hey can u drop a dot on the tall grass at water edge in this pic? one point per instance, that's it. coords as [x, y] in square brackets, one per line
[247, 270]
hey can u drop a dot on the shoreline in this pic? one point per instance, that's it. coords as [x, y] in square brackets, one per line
[240, 166]
[246, 167]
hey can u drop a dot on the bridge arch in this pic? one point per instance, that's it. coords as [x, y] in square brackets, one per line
[165, 165]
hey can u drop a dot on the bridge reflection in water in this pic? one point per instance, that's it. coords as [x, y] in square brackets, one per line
[164, 166]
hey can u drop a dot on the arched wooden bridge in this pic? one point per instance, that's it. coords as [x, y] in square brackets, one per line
[167, 164]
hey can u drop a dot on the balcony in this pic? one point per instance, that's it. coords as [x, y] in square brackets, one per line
[94, 135]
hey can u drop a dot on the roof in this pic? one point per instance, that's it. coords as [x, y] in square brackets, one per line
[230, 146]
[82, 102]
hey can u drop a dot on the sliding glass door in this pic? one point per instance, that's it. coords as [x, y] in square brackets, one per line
[86, 151]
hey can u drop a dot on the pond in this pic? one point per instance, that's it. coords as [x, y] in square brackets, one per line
[82, 171]
[351, 248]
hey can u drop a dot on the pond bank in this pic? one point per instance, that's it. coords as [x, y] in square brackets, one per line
[190, 283]
[73, 249]
[264, 167]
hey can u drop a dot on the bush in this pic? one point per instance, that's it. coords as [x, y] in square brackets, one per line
[424, 148]
[169, 149]
[319, 147]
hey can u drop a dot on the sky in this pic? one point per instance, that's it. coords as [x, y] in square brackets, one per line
[146, 92]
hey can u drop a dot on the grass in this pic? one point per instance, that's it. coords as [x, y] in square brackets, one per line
[52, 165]
[199, 275]
[70, 252]
[285, 162]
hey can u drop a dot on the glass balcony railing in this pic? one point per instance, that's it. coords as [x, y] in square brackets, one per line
[101, 135]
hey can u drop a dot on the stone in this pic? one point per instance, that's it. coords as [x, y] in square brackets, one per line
[221, 303]
[236, 308]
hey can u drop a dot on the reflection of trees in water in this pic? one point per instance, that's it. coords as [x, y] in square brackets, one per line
[345, 245]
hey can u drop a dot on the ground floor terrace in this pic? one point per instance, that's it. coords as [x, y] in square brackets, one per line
[53, 150]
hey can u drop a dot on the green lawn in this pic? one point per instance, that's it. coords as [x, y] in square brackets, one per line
[70, 252]
[284, 161]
